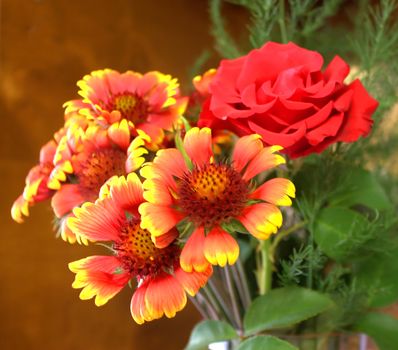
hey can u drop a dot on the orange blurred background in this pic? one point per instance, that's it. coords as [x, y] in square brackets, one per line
[46, 46]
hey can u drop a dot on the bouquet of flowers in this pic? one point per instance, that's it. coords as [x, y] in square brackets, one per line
[260, 196]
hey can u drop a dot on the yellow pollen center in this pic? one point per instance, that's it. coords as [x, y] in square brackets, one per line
[212, 194]
[140, 243]
[211, 183]
[139, 254]
[125, 103]
[130, 106]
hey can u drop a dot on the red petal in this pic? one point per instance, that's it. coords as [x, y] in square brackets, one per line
[164, 296]
[66, 199]
[192, 256]
[193, 281]
[97, 222]
[99, 276]
[197, 143]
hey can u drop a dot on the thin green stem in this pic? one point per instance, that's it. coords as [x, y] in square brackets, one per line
[234, 302]
[282, 21]
[220, 300]
[264, 268]
[281, 235]
[211, 309]
[200, 307]
[245, 284]
[309, 275]
[238, 284]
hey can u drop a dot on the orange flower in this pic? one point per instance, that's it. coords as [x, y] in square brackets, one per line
[36, 183]
[190, 185]
[151, 101]
[161, 283]
[36, 189]
[93, 156]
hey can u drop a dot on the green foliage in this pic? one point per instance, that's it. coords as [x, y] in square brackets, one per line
[306, 17]
[294, 270]
[361, 187]
[339, 231]
[264, 14]
[207, 332]
[299, 21]
[382, 328]
[349, 297]
[197, 66]
[284, 307]
[379, 272]
[265, 342]
[376, 46]
[224, 44]
[377, 38]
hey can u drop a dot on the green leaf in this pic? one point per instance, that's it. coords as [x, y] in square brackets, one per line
[361, 187]
[382, 328]
[378, 273]
[208, 332]
[284, 307]
[265, 342]
[339, 231]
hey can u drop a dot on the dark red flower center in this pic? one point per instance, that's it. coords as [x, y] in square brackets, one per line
[212, 194]
[96, 168]
[130, 106]
[140, 256]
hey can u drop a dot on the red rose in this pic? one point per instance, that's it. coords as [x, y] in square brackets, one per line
[280, 92]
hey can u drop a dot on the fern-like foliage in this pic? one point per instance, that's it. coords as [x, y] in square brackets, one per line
[224, 44]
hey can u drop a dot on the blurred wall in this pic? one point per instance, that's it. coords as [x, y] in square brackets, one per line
[46, 46]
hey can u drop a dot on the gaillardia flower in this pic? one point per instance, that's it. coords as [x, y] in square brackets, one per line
[36, 183]
[36, 189]
[94, 155]
[189, 184]
[150, 101]
[161, 283]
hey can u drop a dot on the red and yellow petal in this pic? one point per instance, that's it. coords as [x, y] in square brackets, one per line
[67, 234]
[157, 192]
[202, 82]
[246, 148]
[168, 163]
[165, 240]
[192, 256]
[261, 220]
[197, 144]
[158, 219]
[264, 160]
[164, 296]
[126, 193]
[99, 221]
[47, 152]
[58, 175]
[31, 189]
[67, 198]
[19, 209]
[155, 133]
[220, 248]
[193, 281]
[138, 309]
[119, 133]
[135, 152]
[276, 191]
[101, 277]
